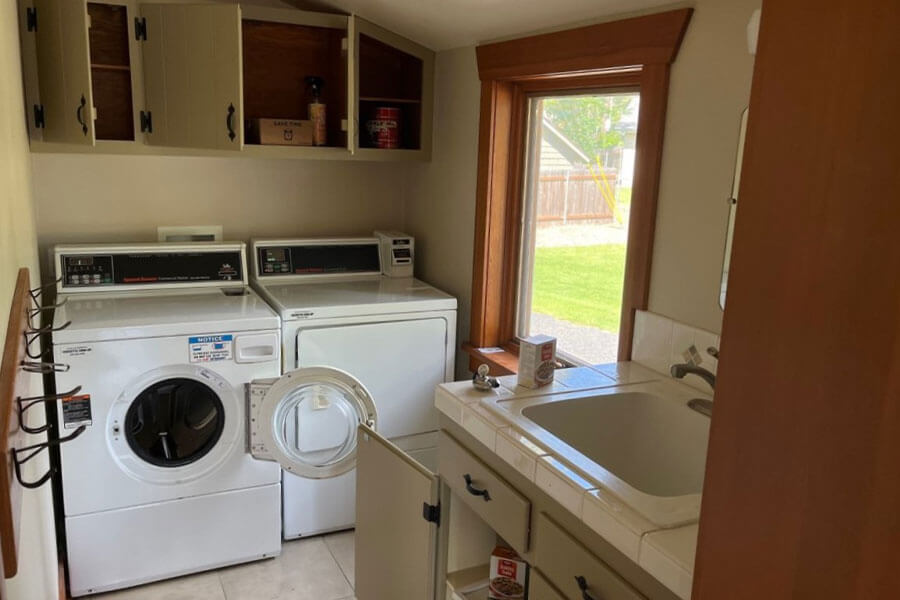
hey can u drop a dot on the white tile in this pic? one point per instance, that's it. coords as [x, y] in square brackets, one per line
[511, 384]
[306, 570]
[449, 404]
[652, 341]
[616, 523]
[668, 555]
[202, 586]
[482, 424]
[627, 372]
[518, 451]
[582, 378]
[343, 548]
[562, 484]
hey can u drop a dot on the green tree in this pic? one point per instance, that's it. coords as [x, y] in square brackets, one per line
[589, 121]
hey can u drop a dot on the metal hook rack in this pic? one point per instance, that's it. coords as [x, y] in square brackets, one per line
[25, 403]
[18, 359]
[35, 449]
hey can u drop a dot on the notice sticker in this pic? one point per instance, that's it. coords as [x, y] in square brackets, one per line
[210, 348]
[76, 411]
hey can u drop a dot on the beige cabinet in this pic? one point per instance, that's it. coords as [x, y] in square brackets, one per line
[198, 76]
[192, 74]
[394, 82]
[85, 54]
[397, 515]
[426, 535]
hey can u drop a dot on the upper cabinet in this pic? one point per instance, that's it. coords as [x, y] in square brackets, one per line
[210, 76]
[395, 82]
[192, 75]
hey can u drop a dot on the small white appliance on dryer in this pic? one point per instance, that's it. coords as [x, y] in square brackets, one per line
[162, 339]
[391, 337]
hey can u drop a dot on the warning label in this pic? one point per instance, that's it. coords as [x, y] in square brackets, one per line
[76, 411]
[76, 350]
[210, 348]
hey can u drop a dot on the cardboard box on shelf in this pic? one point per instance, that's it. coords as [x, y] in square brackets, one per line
[280, 132]
[508, 575]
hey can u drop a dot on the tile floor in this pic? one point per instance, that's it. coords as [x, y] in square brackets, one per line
[318, 568]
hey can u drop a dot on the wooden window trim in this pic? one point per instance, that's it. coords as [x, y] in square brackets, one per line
[635, 53]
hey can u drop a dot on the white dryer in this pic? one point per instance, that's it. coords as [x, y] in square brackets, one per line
[391, 338]
[162, 339]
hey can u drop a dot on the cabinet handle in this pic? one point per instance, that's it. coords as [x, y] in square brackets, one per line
[474, 490]
[583, 587]
[79, 114]
[229, 122]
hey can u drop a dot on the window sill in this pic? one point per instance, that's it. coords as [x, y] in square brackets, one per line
[505, 362]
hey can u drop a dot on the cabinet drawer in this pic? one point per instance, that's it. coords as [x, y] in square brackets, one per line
[504, 509]
[562, 559]
[540, 589]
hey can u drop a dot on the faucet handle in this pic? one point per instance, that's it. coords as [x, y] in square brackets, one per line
[713, 351]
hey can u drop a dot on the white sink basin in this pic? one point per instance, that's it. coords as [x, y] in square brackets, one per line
[641, 442]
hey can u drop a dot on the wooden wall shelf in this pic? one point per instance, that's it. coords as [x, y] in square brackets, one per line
[12, 386]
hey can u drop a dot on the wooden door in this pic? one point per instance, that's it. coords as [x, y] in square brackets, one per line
[192, 75]
[394, 72]
[64, 71]
[803, 477]
[396, 547]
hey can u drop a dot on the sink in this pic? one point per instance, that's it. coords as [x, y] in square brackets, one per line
[649, 442]
[639, 442]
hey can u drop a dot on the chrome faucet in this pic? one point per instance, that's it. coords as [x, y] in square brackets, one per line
[680, 370]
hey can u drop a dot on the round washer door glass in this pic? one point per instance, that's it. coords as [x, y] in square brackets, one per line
[309, 419]
[174, 422]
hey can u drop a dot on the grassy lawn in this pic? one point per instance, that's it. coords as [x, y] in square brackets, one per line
[580, 284]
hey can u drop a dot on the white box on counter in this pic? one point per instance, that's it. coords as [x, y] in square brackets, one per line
[537, 360]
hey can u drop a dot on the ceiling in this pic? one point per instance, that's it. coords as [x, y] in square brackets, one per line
[445, 24]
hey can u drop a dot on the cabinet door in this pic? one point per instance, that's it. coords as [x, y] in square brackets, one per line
[540, 589]
[192, 75]
[64, 71]
[393, 81]
[396, 546]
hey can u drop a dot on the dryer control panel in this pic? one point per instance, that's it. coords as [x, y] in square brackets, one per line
[154, 266]
[317, 258]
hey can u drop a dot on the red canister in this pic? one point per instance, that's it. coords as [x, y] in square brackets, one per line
[384, 128]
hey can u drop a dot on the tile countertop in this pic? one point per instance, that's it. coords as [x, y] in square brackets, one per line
[667, 554]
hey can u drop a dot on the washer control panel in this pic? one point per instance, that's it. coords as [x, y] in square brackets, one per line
[155, 268]
[317, 258]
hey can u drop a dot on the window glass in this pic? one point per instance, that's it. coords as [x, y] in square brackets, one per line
[580, 167]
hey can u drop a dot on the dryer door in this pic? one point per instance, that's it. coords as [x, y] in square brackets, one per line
[307, 420]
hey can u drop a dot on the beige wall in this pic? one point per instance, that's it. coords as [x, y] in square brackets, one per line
[37, 550]
[710, 87]
[83, 198]
[440, 209]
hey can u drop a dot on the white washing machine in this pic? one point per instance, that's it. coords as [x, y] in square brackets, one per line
[162, 339]
[392, 338]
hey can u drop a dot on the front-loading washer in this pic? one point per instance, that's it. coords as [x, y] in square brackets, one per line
[162, 340]
[392, 338]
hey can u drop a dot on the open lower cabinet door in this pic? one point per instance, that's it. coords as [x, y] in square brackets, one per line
[396, 542]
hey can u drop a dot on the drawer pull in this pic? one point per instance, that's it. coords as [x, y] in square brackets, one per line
[583, 586]
[474, 490]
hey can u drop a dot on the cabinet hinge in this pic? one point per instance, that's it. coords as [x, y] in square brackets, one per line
[31, 18]
[146, 122]
[431, 513]
[39, 116]
[140, 28]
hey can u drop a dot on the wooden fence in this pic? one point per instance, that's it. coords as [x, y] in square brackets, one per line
[565, 196]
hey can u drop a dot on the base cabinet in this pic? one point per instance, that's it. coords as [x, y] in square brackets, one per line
[426, 535]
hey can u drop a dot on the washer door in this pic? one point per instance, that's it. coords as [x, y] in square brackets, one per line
[307, 420]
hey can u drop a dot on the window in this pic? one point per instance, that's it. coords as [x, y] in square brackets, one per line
[577, 201]
[521, 271]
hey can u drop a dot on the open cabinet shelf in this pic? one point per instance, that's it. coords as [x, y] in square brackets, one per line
[277, 59]
[111, 71]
